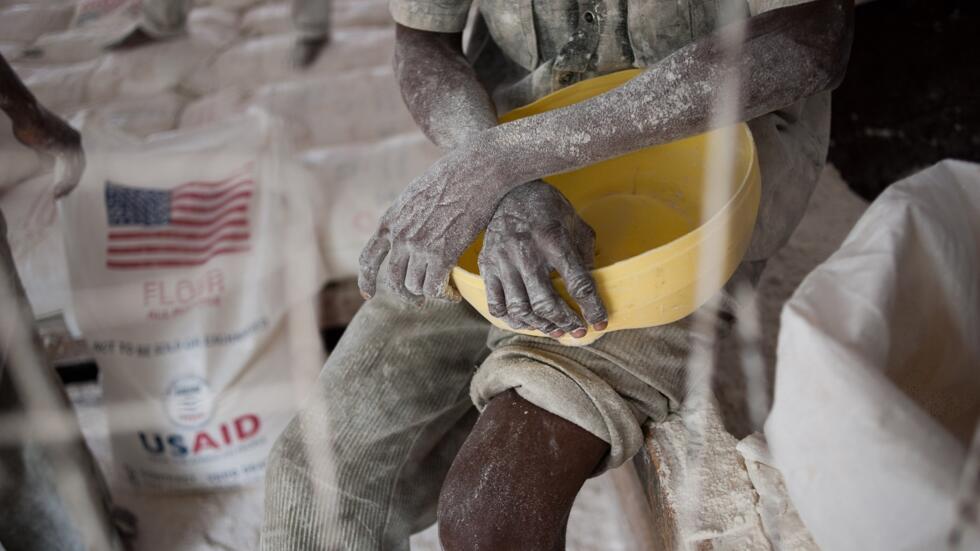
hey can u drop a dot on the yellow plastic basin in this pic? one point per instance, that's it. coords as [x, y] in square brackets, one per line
[672, 222]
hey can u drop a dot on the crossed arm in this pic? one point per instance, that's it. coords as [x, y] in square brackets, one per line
[784, 55]
[534, 228]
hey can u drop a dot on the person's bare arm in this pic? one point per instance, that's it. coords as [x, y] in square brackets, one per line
[41, 130]
[440, 88]
[534, 229]
[786, 55]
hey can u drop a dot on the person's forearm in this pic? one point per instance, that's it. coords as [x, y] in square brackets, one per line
[15, 99]
[786, 55]
[440, 88]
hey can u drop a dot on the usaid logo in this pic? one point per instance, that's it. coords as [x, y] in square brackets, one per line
[189, 401]
[220, 438]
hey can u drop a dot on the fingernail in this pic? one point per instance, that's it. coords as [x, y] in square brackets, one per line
[579, 333]
[601, 326]
[557, 333]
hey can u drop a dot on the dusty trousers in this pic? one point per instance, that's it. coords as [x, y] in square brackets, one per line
[362, 464]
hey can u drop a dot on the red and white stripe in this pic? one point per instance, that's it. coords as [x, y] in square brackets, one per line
[207, 219]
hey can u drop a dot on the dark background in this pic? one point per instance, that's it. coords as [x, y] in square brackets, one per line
[911, 96]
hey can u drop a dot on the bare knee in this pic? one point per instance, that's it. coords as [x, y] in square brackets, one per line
[482, 514]
[515, 478]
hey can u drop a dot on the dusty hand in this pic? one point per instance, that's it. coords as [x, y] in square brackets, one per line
[534, 230]
[47, 134]
[427, 229]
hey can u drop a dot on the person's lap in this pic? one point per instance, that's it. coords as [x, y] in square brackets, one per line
[366, 458]
[515, 478]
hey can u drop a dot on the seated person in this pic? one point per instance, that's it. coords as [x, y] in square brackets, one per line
[391, 439]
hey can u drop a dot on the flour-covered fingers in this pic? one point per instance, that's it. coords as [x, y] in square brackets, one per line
[496, 302]
[489, 261]
[397, 274]
[519, 311]
[437, 282]
[585, 243]
[545, 301]
[516, 304]
[415, 274]
[581, 287]
[370, 261]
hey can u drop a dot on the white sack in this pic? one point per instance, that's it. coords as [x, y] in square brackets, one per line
[143, 115]
[70, 46]
[212, 25]
[95, 24]
[268, 19]
[702, 496]
[213, 107]
[11, 50]
[878, 374]
[62, 88]
[365, 13]
[193, 268]
[105, 14]
[355, 185]
[25, 69]
[266, 59]
[277, 18]
[24, 22]
[360, 106]
[780, 520]
[17, 161]
[35, 237]
[236, 5]
[148, 70]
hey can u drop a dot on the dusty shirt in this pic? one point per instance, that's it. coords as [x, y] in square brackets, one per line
[525, 49]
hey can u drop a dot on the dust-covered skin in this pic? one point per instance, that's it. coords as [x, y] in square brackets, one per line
[785, 55]
[41, 130]
[515, 478]
[535, 230]
[444, 97]
[451, 107]
[440, 88]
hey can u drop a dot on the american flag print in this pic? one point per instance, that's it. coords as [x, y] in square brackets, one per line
[187, 225]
